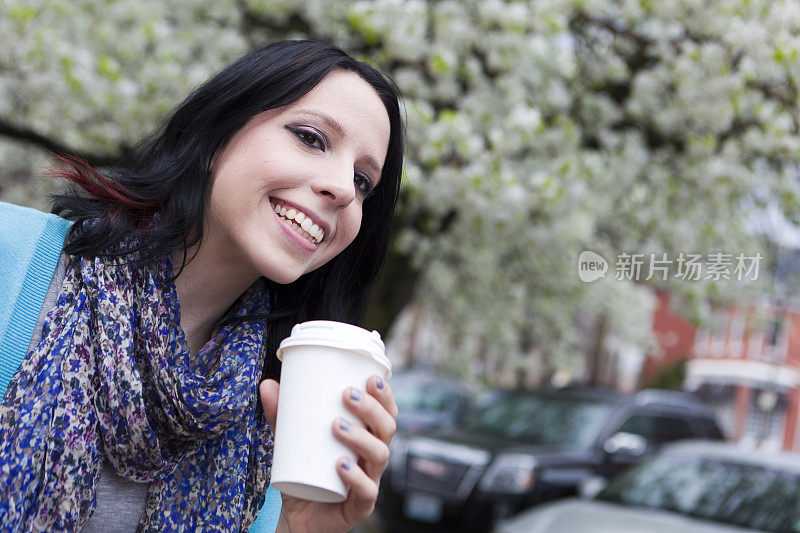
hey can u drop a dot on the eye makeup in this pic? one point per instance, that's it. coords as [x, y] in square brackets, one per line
[363, 184]
[309, 137]
[315, 139]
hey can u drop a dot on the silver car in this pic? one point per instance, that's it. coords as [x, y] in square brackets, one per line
[689, 487]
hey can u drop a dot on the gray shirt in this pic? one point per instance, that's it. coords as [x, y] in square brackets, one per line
[120, 502]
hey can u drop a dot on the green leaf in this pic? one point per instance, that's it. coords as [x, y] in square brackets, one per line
[22, 14]
[108, 67]
[360, 22]
[438, 64]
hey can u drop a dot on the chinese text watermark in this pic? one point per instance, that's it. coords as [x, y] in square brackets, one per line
[714, 266]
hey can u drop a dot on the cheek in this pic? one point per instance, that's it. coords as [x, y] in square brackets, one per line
[355, 226]
[224, 203]
[349, 229]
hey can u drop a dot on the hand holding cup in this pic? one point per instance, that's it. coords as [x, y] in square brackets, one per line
[324, 433]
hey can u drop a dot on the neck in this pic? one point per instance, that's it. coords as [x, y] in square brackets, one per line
[207, 287]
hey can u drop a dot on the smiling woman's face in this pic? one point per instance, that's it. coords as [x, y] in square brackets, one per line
[286, 192]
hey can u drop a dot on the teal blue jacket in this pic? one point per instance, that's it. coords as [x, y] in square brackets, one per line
[30, 245]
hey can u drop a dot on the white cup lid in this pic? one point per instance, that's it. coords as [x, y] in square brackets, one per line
[338, 335]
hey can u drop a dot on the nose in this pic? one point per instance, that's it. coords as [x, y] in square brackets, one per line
[336, 185]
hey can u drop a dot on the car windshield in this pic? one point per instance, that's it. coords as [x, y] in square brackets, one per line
[733, 493]
[542, 419]
[422, 396]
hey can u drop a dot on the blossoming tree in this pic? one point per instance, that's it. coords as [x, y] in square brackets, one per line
[536, 130]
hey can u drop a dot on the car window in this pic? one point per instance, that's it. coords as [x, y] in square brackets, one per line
[657, 429]
[712, 429]
[424, 397]
[713, 489]
[542, 419]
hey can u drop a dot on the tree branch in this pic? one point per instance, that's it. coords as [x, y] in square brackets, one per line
[788, 97]
[295, 24]
[29, 136]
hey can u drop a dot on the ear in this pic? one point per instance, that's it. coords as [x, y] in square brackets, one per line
[212, 165]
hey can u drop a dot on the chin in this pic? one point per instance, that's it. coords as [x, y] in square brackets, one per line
[281, 276]
[282, 279]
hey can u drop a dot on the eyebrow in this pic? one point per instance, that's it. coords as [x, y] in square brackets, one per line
[333, 124]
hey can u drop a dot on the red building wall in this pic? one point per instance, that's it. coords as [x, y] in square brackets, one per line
[674, 334]
[740, 337]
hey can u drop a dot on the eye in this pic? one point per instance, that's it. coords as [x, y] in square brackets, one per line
[363, 183]
[308, 137]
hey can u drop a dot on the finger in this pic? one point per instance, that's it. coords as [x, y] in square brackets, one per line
[363, 490]
[380, 389]
[269, 400]
[373, 452]
[371, 413]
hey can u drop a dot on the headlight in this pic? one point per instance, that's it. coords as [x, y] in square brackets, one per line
[397, 452]
[511, 473]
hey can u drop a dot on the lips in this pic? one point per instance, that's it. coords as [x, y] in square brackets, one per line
[301, 221]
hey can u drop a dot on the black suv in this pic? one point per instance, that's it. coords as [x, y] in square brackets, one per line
[527, 448]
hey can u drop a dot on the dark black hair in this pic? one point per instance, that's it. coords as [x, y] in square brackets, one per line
[157, 193]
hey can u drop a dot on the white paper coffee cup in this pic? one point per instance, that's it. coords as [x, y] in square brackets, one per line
[320, 359]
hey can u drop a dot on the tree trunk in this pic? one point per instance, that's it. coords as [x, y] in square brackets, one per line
[393, 289]
[596, 354]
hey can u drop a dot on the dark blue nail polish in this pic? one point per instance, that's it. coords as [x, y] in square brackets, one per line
[380, 383]
[345, 425]
[346, 465]
[355, 394]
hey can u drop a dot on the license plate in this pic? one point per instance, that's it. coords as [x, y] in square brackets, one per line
[422, 508]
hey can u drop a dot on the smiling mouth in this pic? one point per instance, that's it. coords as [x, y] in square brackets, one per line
[300, 222]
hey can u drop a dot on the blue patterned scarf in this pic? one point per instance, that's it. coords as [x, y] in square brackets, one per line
[112, 378]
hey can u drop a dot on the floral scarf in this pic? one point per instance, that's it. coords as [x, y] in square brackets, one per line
[112, 378]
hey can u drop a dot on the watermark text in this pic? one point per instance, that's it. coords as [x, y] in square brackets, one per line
[685, 266]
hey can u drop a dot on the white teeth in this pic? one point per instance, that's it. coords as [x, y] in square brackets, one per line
[301, 223]
[303, 233]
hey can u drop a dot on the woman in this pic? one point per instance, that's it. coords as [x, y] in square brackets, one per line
[270, 190]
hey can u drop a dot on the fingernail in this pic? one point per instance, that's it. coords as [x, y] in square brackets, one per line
[345, 425]
[380, 383]
[355, 394]
[346, 465]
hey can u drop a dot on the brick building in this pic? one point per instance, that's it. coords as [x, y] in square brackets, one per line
[746, 365]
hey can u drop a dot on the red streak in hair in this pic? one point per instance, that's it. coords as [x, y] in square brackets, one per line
[77, 170]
